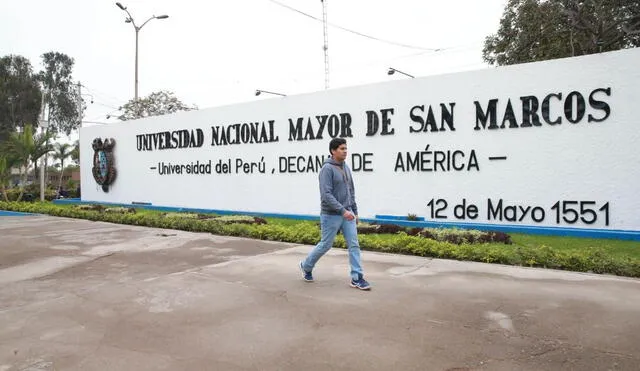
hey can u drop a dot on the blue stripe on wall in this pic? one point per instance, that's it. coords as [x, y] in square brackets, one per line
[13, 213]
[400, 220]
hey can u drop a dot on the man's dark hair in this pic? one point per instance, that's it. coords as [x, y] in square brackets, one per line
[335, 143]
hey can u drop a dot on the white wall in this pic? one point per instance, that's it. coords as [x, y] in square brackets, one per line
[585, 161]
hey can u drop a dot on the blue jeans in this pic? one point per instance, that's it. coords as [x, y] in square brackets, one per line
[329, 225]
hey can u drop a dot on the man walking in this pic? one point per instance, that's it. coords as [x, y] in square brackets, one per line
[338, 212]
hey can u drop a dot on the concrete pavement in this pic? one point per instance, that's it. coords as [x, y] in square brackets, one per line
[81, 295]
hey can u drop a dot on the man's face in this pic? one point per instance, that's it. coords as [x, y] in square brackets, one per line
[340, 153]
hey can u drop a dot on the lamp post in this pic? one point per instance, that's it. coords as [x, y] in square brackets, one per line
[43, 124]
[258, 92]
[137, 29]
[393, 70]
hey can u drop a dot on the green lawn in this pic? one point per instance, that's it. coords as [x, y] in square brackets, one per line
[615, 248]
[618, 248]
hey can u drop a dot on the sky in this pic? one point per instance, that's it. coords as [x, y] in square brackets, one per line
[214, 53]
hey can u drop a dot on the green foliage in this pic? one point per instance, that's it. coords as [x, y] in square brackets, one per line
[30, 192]
[537, 30]
[22, 147]
[61, 95]
[181, 215]
[462, 236]
[62, 151]
[5, 174]
[22, 90]
[41, 147]
[71, 185]
[119, 210]
[451, 235]
[617, 248]
[89, 207]
[587, 259]
[246, 219]
[20, 94]
[75, 152]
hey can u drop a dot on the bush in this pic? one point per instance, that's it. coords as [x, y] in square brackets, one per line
[182, 215]
[226, 219]
[242, 219]
[437, 243]
[119, 210]
[31, 193]
[414, 231]
[89, 207]
[461, 236]
[451, 235]
[366, 228]
[390, 228]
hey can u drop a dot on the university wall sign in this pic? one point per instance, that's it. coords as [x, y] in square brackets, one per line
[545, 147]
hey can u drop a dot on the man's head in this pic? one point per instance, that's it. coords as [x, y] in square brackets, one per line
[338, 149]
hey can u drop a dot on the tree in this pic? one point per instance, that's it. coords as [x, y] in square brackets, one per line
[41, 147]
[7, 162]
[21, 148]
[64, 106]
[156, 104]
[62, 152]
[20, 94]
[75, 152]
[536, 30]
[5, 174]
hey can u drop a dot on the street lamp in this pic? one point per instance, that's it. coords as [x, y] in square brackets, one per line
[43, 124]
[132, 21]
[393, 70]
[258, 92]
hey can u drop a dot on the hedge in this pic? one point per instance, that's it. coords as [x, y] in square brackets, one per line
[594, 260]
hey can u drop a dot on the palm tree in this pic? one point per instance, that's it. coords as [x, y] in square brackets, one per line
[6, 163]
[41, 148]
[21, 147]
[61, 152]
[75, 153]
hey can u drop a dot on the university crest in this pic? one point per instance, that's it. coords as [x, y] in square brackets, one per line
[104, 171]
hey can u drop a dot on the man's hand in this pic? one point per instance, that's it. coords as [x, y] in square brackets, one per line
[348, 215]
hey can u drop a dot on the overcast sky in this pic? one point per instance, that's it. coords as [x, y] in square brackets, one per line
[213, 53]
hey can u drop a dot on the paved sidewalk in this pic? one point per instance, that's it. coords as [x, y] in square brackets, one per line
[81, 295]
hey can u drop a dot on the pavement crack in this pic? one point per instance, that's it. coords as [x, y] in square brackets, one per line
[414, 269]
[612, 353]
[538, 354]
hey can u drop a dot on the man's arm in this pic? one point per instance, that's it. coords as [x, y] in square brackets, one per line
[353, 194]
[326, 190]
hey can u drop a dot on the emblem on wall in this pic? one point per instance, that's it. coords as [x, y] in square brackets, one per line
[104, 171]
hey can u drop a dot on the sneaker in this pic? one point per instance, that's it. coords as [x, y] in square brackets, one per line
[360, 283]
[307, 276]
